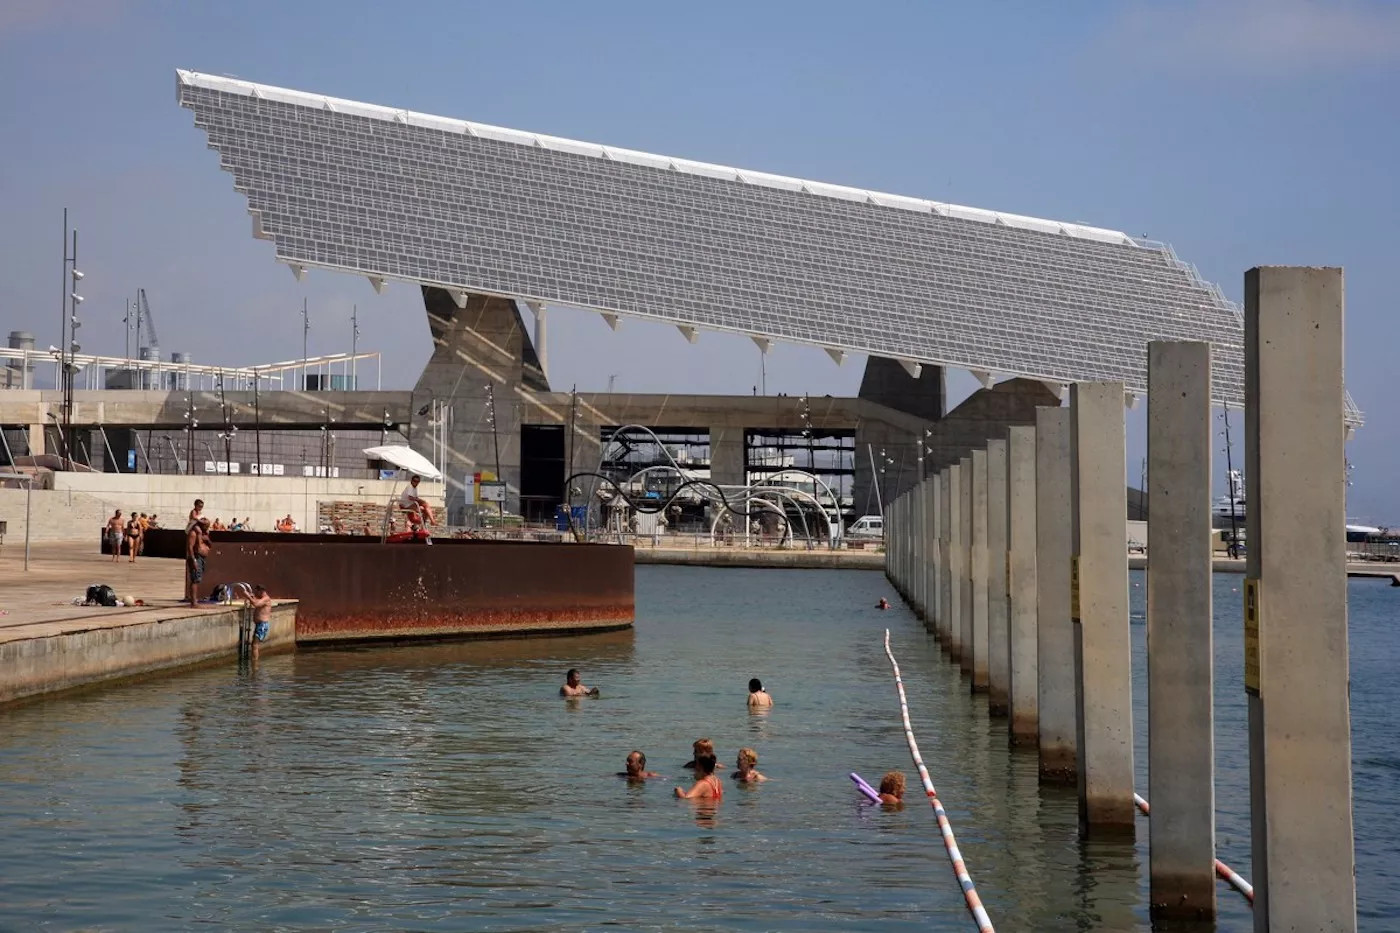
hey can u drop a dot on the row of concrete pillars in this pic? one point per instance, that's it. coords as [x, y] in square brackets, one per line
[1017, 558]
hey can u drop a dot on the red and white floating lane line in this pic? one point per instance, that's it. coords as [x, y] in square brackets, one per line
[1221, 869]
[974, 903]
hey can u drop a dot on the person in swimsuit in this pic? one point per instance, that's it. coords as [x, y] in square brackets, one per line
[133, 537]
[637, 768]
[196, 550]
[700, 747]
[892, 789]
[114, 535]
[748, 760]
[758, 697]
[707, 786]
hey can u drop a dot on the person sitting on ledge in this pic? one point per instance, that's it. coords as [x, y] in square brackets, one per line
[413, 506]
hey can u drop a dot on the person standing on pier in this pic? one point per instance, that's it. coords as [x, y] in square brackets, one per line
[196, 550]
[114, 535]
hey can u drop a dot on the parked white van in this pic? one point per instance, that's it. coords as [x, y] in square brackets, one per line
[867, 526]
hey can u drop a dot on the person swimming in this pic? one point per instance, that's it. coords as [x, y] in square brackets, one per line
[700, 747]
[573, 687]
[758, 697]
[748, 760]
[892, 788]
[707, 786]
[637, 768]
[883, 603]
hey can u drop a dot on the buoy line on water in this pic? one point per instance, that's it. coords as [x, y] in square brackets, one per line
[1227, 873]
[974, 903]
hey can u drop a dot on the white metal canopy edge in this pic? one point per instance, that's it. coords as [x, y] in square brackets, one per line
[650, 160]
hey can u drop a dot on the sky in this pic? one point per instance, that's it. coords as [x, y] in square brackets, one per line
[1243, 132]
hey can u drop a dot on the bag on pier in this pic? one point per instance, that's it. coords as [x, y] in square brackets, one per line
[100, 594]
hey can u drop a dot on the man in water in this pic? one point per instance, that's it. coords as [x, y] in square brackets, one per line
[758, 697]
[700, 748]
[260, 601]
[892, 789]
[637, 768]
[572, 686]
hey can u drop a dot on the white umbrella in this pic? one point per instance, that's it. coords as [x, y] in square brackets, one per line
[405, 458]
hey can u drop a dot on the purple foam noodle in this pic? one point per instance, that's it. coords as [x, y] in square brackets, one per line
[865, 788]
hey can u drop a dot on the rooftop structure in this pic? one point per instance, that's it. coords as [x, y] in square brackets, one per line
[476, 209]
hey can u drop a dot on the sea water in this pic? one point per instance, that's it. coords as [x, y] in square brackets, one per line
[449, 787]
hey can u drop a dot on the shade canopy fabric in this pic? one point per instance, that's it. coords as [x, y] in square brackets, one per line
[405, 458]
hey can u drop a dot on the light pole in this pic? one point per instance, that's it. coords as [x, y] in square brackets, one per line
[354, 345]
[1234, 548]
[496, 443]
[191, 422]
[305, 334]
[69, 335]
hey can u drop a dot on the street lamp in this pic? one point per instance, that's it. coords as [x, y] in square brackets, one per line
[69, 331]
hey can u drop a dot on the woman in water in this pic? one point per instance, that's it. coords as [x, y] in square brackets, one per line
[700, 747]
[892, 789]
[707, 786]
[748, 760]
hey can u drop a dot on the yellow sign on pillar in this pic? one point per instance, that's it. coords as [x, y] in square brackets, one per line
[1251, 636]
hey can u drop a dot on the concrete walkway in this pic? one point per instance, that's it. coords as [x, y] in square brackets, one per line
[48, 644]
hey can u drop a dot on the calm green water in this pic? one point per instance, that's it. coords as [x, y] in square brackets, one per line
[450, 788]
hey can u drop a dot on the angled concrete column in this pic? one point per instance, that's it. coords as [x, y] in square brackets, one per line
[980, 656]
[965, 637]
[918, 527]
[1296, 601]
[998, 632]
[946, 602]
[1180, 722]
[1054, 631]
[1021, 584]
[957, 556]
[1103, 646]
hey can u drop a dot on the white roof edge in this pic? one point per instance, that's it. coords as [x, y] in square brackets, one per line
[635, 157]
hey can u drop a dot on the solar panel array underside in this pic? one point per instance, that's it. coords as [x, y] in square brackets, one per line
[385, 197]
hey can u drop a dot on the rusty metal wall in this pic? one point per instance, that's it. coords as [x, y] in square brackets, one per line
[357, 589]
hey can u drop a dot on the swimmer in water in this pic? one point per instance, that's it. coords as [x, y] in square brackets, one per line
[707, 786]
[883, 603]
[892, 789]
[758, 697]
[574, 688]
[748, 760]
[700, 747]
[637, 768]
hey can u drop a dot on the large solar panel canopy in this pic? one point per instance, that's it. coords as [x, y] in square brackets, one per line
[395, 195]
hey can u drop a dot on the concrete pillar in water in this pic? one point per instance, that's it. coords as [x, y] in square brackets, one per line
[919, 533]
[946, 602]
[1102, 644]
[931, 564]
[998, 631]
[956, 555]
[979, 571]
[1054, 632]
[1021, 584]
[965, 642]
[1180, 721]
[1296, 601]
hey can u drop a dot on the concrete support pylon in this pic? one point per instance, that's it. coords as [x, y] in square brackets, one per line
[1021, 584]
[1180, 718]
[1296, 674]
[946, 602]
[1054, 630]
[957, 556]
[998, 558]
[978, 504]
[1103, 644]
[965, 641]
[931, 543]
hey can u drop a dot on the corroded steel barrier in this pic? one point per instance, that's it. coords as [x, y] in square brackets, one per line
[352, 588]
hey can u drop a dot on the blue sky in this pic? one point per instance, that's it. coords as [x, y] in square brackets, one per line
[1244, 132]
